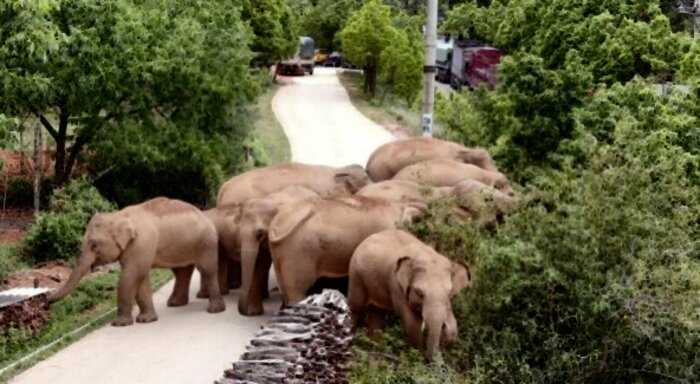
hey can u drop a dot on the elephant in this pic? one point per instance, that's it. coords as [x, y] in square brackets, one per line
[316, 238]
[253, 225]
[159, 233]
[224, 220]
[447, 173]
[387, 160]
[404, 190]
[394, 271]
[483, 204]
[324, 180]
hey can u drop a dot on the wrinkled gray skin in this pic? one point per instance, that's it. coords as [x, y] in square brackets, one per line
[253, 225]
[394, 271]
[159, 233]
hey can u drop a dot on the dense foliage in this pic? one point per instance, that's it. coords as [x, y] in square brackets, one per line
[274, 26]
[559, 52]
[324, 19]
[386, 45]
[596, 277]
[58, 232]
[95, 73]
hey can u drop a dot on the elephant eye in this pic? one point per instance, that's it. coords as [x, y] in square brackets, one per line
[419, 293]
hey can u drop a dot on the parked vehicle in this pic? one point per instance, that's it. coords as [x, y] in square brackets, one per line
[474, 64]
[320, 56]
[302, 62]
[443, 62]
[335, 60]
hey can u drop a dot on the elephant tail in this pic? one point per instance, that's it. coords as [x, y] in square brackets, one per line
[288, 220]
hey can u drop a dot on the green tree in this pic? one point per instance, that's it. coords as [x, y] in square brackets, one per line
[325, 19]
[401, 65]
[559, 53]
[275, 29]
[91, 70]
[368, 32]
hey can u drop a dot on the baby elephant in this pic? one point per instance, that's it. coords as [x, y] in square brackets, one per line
[160, 233]
[392, 270]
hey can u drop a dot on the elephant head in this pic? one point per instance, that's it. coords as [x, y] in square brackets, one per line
[484, 204]
[106, 237]
[351, 178]
[428, 285]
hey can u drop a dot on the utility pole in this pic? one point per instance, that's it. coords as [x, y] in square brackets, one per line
[429, 69]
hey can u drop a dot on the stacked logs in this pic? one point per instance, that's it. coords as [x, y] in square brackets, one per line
[305, 343]
[24, 310]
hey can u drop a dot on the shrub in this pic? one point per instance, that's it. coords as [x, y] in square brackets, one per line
[596, 279]
[57, 233]
[10, 261]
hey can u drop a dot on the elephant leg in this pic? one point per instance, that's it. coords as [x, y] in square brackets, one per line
[208, 266]
[144, 299]
[129, 283]
[255, 279]
[357, 300]
[181, 291]
[296, 281]
[412, 325]
[234, 277]
[224, 274]
[375, 322]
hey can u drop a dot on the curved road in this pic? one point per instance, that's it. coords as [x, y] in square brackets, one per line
[187, 345]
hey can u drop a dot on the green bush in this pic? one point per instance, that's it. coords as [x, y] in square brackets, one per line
[10, 261]
[57, 233]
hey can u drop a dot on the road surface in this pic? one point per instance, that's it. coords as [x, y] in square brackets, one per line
[321, 123]
[187, 345]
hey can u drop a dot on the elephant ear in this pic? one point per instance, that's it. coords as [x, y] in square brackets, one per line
[288, 220]
[123, 233]
[461, 278]
[404, 274]
[353, 177]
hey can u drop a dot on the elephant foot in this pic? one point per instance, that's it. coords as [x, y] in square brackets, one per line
[202, 294]
[122, 321]
[177, 301]
[216, 306]
[250, 310]
[146, 318]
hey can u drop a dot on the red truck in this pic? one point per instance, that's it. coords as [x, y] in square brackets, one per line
[474, 64]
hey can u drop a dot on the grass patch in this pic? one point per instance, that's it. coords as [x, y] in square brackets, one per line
[91, 299]
[10, 260]
[384, 110]
[269, 131]
[390, 359]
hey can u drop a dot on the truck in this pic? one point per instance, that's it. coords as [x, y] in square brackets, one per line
[443, 59]
[474, 64]
[302, 62]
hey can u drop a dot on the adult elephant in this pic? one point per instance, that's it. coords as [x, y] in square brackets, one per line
[260, 182]
[394, 271]
[471, 199]
[316, 238]
[390, 158]
[159, 233]
[404, 190]
[324, 180]
[253, 225]
[448, 173]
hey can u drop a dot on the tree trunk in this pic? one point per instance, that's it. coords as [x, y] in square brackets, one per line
[61, 137]
[38, 167]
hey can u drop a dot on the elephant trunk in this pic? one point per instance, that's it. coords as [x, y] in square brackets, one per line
[435, 318]
[250, 301]
[83, 266]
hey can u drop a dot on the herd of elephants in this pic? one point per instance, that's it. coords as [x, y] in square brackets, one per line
[309, 222]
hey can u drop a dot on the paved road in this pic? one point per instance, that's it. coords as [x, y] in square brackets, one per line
[188, 345]
[322, 125]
